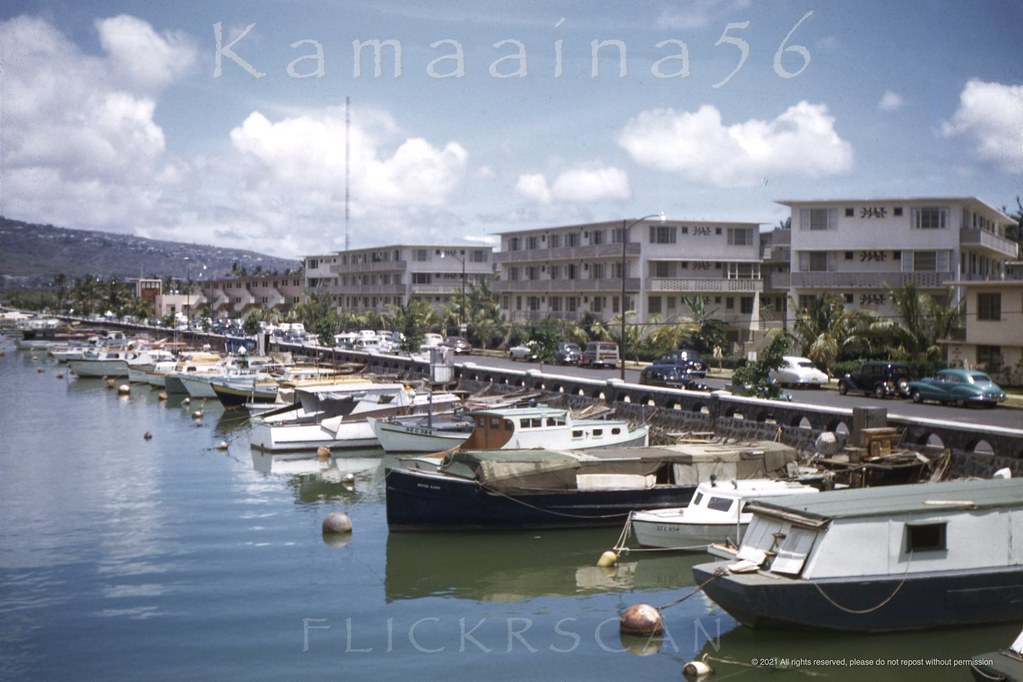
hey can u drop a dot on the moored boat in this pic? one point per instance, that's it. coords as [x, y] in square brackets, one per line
[896, 557]
[538, 488]
[1004, 665]
[715, 514]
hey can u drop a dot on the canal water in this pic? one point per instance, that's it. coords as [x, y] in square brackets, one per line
[123, 558]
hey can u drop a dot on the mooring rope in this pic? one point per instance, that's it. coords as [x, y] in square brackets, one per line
[699, 588]
[880, 605]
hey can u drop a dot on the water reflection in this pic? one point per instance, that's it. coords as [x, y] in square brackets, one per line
[509, 567]
[315, 479]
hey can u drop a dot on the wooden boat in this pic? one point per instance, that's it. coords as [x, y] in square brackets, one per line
[898, 557]
[715, 514]
[1005, 665]
[513, 428]
[540, 488]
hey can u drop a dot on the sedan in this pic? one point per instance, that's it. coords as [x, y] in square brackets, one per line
[670, 376]
[524, 351]
[797, 371]
[958, 386]
[568, 353]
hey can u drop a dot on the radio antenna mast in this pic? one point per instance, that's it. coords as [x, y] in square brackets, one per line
[348, 126]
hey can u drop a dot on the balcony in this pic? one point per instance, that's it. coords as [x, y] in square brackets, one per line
[379, 266]
[564, 286]
[567, 253]
[869, 280]
[992, 244]
[704, 284]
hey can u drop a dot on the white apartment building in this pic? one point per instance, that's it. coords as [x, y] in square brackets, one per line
[373, 278]
[993, 338]
[570, 271]
[237, 296]
[855, 247]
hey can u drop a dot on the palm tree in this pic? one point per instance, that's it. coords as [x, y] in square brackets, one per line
[822, 329]
[922, 320]
[707, 331]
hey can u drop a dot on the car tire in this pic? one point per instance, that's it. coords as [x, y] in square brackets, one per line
[960, 403]
[917, 398]
[842, 388]
[879, 391]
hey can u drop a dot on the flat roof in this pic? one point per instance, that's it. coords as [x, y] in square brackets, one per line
[898, 200]
[888, 500]
[646, 221]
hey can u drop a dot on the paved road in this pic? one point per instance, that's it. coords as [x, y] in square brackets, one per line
[1000, 416]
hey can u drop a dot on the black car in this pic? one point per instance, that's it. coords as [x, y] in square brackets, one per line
[568, 353]
[671, 376]
[880, 379]
[686, 359]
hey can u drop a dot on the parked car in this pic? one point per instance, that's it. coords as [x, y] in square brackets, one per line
[670, 376]
[600, 354]
[568, 353]
[430, 339]
[878, 378]
[797, 371]
[687, 359]
[524, 351]
[459, 344]
[958, 386]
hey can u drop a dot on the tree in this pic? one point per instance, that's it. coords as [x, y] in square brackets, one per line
[922, 321]
[545, 334]
[707, 331]
[822, 329]
[755, 376]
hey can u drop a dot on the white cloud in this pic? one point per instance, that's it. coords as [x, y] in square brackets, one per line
[802, 141]
[698, 14]
[891, 101]
[991, 115]
[147, 59]
[582, 184]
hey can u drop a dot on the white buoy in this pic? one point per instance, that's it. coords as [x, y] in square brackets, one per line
[641, 619]
[607, 559]
[222, 445]
[124, 389]
[349, 478]
[337, 523]
[186, 400]
[110, 382]
[696, 669]
[162, 395]
[322, 452]
[197, 414]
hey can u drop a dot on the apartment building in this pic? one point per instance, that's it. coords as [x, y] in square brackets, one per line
[570, 271]
[857, 247]
[237, 296]
[993, 336]
[373, 278]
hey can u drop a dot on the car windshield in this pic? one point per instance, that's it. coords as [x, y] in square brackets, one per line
[805, 363]
[571, 347]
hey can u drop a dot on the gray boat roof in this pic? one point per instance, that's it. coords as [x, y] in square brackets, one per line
[912, 498]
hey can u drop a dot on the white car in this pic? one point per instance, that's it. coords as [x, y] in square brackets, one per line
[797, 371]
[524, 351]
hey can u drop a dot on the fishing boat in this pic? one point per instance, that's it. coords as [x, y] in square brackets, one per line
[336, 416]
[512, 428]
[898, 557]
[715, 514]
[1005, 665]
[542, 488]
[236, 390]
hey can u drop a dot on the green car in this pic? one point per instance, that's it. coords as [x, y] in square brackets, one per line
[958, 386]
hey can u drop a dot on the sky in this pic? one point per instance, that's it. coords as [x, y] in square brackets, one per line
[225, 122]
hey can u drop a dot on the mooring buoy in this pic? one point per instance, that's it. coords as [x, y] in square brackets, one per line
[222, 445]
[162, 395]
[124, 389]
[147, 435]
[607, 559]
[322, 452]
[696, 669]
[337, 523]
[641, 619]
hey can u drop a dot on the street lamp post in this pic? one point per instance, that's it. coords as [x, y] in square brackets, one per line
[626, 226]
[188, 294]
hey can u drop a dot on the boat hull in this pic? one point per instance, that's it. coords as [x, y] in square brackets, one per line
[396, 437]
[650, 531]
[867, 604]
[277, 438]
[423, 501]
[230, 396]
[99, 368]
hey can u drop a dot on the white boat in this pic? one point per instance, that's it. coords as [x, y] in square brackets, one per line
[101, 363]
[422, 433]
[336, 416]
[141, 363]
[885, 558]
[715, 514]
[554, 428]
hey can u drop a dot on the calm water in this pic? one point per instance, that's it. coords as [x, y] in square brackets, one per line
[122, 558]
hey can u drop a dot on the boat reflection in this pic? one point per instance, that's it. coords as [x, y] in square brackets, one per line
[509, 567]
[314, 479]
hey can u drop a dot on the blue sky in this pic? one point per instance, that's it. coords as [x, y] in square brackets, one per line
[116, 115]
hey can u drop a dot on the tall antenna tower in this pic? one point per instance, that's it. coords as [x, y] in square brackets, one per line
[348, 127]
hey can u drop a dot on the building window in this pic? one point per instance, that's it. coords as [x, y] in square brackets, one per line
[717, 230]
[534, 303]
[570, 271]
[818, 218]
[421, 278]
[989, 306]
[850, 212]
[597, 304]
[849, 299]
[597, 237]
[818, 261]
[897, 211]
[929, 537]
[746, 305]
[597, 271]
[654, 305]
[554, 272]
[571, 304]
[532, 273]
[989, 357]
[478, 256]
[661, 269]
[554, 241]
[848, 255]
[532, 243]
[730, 303]
[740, 236]
[572, 239]
[555, 303]
[662, 234]
[419, 255]
[925, 261]
[930, 218]
[513, 274]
